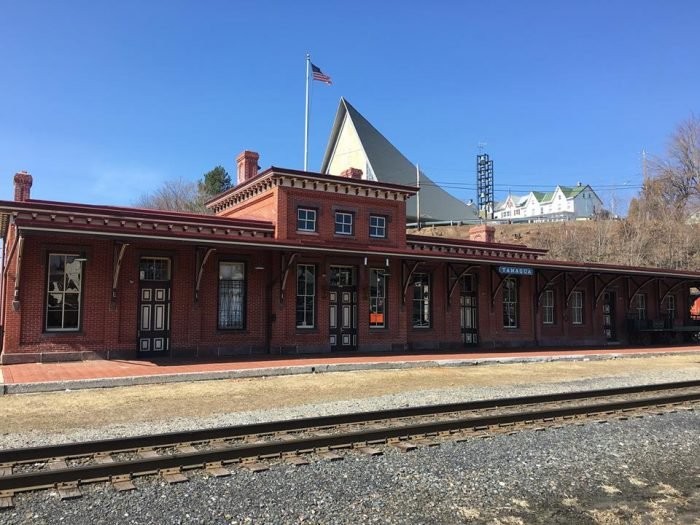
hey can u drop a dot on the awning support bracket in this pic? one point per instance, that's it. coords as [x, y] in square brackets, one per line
[201, 262]
[118, 256]
[286, 267]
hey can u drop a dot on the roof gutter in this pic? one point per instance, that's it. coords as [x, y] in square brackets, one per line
[365, 252]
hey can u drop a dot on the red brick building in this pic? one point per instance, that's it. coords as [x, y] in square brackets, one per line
[293, 262]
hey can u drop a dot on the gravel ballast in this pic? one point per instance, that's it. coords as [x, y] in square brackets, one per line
[635, 471]
[287, 410]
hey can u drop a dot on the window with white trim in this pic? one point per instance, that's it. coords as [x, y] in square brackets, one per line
[231, 295]
[639, 305]
[343, 223]
[63, 292]
[421, 300]
[671, 307]
[306, 219]
[576, 303]
[377, 298]
[510, 302]
[377, 226]
[306, 295]
[548, 307]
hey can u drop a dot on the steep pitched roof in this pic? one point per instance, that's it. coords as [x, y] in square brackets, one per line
[571, 192]
[354, 140]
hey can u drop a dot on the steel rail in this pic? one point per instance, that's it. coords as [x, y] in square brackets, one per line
[68, 450]
[189, 460]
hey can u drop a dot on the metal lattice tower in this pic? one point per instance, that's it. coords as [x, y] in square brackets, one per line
[484, 185]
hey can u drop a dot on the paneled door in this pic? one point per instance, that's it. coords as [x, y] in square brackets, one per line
[342, 294]
[154, 307]
[469, 322]
[609, 316]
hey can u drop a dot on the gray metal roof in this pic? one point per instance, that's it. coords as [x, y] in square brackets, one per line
[390, 165]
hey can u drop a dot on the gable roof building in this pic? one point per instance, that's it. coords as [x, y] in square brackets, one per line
[564, 203]
[355, 143]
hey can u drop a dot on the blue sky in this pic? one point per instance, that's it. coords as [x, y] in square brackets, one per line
[104, 101]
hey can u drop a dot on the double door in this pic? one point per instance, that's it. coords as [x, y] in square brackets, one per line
[609, 316]
[342, 295]
[469, 322]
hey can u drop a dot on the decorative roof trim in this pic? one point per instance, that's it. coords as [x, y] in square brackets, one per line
[279, 177]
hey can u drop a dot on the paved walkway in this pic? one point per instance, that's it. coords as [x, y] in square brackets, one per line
[42, 377]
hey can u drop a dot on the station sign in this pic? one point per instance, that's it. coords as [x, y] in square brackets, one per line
[515, 270]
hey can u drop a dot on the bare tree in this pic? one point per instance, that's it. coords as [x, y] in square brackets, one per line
[673, 186]
[174, 195]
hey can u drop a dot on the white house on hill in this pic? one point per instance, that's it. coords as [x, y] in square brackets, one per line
[564, 203]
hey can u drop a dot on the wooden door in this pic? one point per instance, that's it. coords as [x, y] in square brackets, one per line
[469, 321]
[342, 294]
[154, 307]
[609, 316]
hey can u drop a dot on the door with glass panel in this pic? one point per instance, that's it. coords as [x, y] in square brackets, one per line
[154, 306]
[609, 316]
[342, 294]
[467, 304]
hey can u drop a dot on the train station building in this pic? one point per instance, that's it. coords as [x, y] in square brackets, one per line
[299, 262]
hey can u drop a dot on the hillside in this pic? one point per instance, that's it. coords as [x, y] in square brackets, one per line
[651, 243]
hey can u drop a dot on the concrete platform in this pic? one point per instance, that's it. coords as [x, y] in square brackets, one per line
[47, 377]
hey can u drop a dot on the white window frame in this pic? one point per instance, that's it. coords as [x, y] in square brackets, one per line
[671, 307]
[548, 307]
[377, 296]
[303, 295]
[421, 299]
[310, 215]
[343, 223]
[237, 299]
[576, 304]
[375, 227]
[59, 295]
[640, 305]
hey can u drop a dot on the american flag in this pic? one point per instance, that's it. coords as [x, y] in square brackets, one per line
[320, 75]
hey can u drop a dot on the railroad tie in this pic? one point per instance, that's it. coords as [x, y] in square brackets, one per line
[217, 469]
[147, 453]
[404, 446]
[5, 469]
[57, 464]
[297, 461]
[68, 490]
[254, 466]
[173, 475]
[370, 451]
[123, 483]
[330, 456]
[6, 501]
[103, 457]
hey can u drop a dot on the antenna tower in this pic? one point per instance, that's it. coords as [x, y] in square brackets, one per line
[484, 183]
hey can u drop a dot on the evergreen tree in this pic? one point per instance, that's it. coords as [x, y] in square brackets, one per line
[214, 182]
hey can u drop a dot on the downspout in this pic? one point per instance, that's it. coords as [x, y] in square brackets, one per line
[269, 315]
[6, 266]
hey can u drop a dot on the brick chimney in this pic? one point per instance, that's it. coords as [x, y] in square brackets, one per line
[23, 184]
[247, 165]
[352, 173]
[482, 233]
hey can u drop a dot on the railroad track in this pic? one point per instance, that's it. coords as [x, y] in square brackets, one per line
[118, 461]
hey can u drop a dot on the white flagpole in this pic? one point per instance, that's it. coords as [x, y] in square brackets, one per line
[306, 120]
[418, 196]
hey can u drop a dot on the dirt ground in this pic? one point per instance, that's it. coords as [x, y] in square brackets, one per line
[56, 411]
